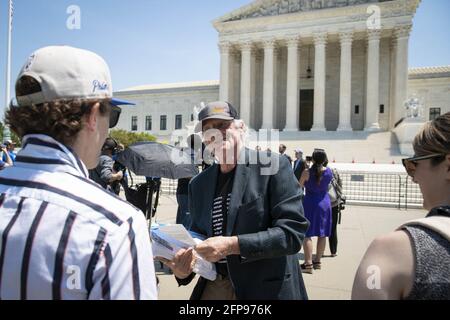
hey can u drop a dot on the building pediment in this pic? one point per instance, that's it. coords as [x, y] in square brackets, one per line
[267, 8]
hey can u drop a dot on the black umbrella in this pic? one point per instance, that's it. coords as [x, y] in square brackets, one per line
[152, 159]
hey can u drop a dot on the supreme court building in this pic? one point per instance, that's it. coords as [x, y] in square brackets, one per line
[319, 65]
[308, 68]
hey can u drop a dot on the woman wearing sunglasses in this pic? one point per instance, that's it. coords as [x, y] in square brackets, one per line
[413, 263]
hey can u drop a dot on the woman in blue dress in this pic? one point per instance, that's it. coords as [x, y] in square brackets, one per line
[317, 207]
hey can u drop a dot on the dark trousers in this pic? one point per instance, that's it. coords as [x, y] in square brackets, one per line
[333, 240]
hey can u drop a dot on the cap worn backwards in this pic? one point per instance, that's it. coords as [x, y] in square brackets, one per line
[67, 73]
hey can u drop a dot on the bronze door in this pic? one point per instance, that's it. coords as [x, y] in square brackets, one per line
[306, 109]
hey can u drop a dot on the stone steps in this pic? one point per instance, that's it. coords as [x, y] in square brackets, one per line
[343, 147]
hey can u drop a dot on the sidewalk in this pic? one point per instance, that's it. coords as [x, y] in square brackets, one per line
[360, 225]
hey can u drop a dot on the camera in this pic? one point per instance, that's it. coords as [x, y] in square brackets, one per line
[119, 167]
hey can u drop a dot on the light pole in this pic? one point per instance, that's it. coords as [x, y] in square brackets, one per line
[6, 132]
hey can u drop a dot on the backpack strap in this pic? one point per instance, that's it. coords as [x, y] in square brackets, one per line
[438, 224]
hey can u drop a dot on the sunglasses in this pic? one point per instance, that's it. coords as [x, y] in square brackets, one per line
[114, 115]
[410, 164]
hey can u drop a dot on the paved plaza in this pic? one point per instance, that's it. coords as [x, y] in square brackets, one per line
[360, 225]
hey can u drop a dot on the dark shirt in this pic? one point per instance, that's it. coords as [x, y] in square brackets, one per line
[221, 205]
[183, 185]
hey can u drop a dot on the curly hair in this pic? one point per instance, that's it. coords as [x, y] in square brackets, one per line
[434, 139]
[62, 120]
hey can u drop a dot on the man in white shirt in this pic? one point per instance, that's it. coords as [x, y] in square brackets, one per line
[64, 237]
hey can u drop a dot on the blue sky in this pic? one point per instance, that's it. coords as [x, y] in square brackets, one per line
[158, 41]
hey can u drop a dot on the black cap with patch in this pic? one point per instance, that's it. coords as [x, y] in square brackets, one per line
[216, 110]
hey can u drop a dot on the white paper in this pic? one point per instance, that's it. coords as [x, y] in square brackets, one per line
[168, 240]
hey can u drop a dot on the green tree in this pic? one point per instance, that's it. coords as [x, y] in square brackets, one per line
[128, 138]
[14, 137]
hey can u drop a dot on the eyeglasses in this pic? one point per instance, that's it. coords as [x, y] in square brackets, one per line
[114, 115]
[410, 164]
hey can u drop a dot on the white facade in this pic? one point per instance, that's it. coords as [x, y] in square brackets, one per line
[301, 65]
[356, 51]
[169, 100]
[432, 86]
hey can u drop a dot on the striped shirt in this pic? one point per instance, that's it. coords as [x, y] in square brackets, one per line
[64, 237]
[221, 206]
[220, 212]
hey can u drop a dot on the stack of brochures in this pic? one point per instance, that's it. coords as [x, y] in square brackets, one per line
[167, 240]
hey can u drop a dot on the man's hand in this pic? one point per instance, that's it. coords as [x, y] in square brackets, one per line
[182, 265]
[217, 248]
[117, 176]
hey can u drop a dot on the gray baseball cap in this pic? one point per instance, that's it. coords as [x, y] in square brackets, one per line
[216, 110]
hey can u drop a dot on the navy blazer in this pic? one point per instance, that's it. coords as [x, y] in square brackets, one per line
[299, 170]
[266, 214]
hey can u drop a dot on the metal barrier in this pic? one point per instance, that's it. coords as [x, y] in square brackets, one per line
[168, 187]
[383, 189]
[360, 188]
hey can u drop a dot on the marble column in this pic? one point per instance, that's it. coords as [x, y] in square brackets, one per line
[392, 100]
[320, 42]
[224, 93]
[292, 96]
[246, 56]
[373, 81]
[401, 35]
[269, 84]
[345, 97]
[258, 103]
[235, 77]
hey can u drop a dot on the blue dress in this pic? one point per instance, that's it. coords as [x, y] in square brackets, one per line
[317, 205]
